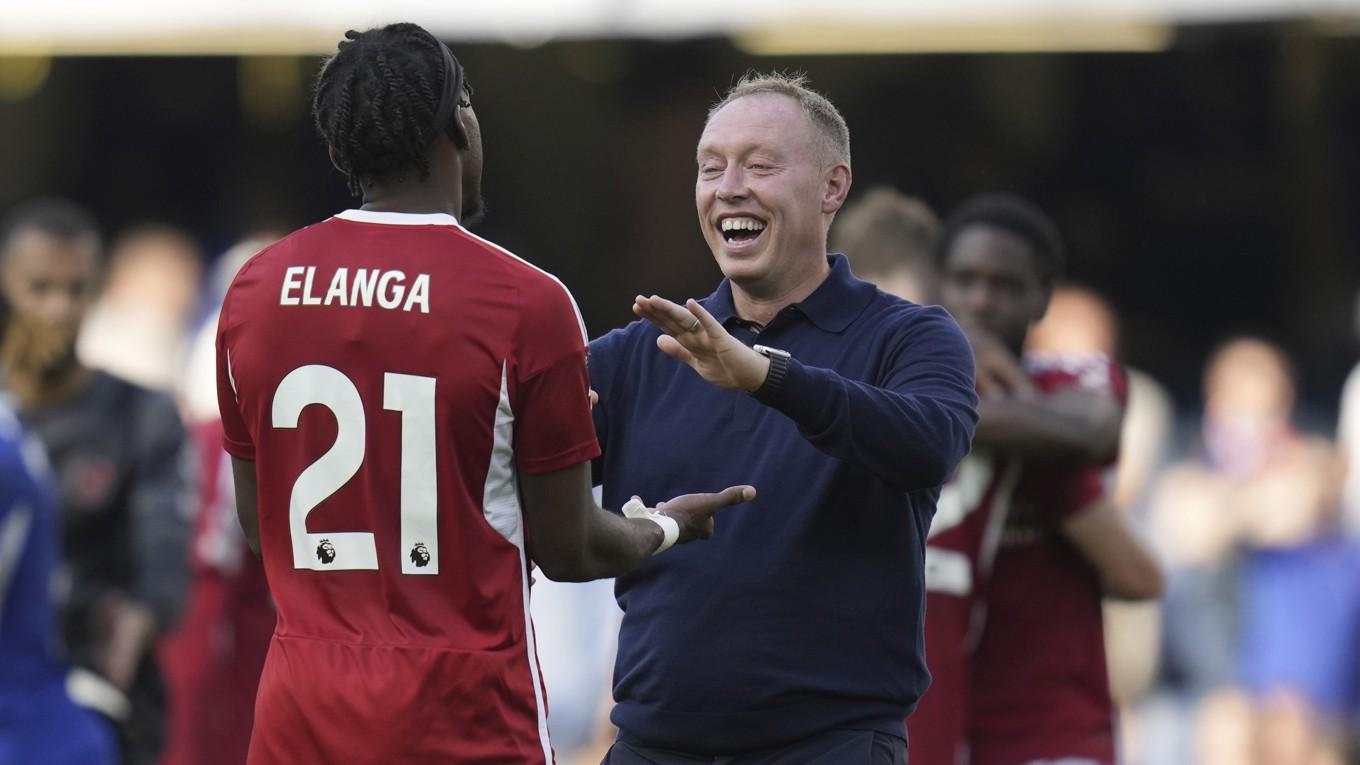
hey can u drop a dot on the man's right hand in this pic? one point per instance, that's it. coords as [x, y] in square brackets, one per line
[694, 512]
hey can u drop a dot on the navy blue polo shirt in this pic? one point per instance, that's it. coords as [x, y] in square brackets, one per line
[804, 612]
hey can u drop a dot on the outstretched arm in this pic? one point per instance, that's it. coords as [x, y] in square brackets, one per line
[573, 540]
[910, 428]
[1070, 425]
[1066, 426]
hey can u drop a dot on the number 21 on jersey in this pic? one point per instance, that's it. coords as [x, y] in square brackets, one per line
[411, 395]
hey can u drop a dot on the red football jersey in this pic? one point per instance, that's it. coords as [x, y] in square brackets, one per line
[1040, 685]
[389, 374]
[959, 550]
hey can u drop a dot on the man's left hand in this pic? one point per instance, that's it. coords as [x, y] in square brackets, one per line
[691, 334]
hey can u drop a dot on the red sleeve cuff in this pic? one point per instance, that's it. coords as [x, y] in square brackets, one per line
[584, 451]
[241, 450]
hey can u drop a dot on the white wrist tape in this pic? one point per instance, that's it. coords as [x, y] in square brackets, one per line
[670, 530]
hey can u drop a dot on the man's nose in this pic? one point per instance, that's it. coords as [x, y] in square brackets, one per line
[732, 185]
[61, 307]
[979, 302]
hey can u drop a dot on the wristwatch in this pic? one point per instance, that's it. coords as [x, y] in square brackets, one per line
[779, 368]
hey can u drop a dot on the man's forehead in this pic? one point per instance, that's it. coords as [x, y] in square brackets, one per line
[36, 247]
[992, 249]
[760, 118]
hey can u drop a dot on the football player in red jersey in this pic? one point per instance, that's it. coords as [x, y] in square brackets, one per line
[406, 408]
[1038, 689]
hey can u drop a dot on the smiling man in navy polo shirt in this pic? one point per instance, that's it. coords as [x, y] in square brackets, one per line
[794, 636]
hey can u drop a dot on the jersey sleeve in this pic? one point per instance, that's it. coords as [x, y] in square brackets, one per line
[1069, 491]
[553, 425]
[1089, 372]
[1093, 373]
[236, 438]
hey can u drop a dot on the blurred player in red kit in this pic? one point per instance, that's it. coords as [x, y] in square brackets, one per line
[406, 406]
[213, 658]
[1025, 544]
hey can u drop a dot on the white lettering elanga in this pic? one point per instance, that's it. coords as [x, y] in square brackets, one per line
[357, 289]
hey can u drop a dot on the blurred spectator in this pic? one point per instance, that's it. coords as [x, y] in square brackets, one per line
[214, 657]
[1040, 688]
[1348, 434]
[137, 328]
[888, 238]
[39, 722]
[118, 454]
[1262, 634]
[1300, 578]
[1080, 321]
[197, 388]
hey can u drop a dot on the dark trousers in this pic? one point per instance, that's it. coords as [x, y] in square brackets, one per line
[838, 747]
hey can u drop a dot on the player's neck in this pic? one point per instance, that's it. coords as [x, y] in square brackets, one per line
[426, 197]
[36, 388]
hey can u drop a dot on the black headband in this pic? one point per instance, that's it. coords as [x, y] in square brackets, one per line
[453, 88]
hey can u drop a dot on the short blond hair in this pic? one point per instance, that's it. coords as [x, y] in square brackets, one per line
[832, 131]
[885, 230]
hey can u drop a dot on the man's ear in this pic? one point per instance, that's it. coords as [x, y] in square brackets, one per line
[837, 187]
[460, 133]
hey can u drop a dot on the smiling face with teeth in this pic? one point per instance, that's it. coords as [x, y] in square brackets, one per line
[766, 193]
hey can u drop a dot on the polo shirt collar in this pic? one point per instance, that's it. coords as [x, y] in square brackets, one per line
[836, 302]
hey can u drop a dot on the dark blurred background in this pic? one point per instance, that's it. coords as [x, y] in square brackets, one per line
[1209, 188]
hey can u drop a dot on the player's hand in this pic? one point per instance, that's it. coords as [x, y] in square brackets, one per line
[694, 512]
[999, 373]
[690, 334]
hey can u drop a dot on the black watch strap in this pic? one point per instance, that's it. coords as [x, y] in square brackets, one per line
[779, 369]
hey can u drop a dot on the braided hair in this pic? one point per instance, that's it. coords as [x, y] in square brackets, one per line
[378, 99]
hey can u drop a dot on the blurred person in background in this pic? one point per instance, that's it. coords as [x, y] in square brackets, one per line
[1081, 321]
[1078, 322]
[1348, 436]
[138, 327]
[1261, 507]
[214, 656]
[118, 453]
[39, 722]
[1194, 715]
[888, 237]
[1039, 685]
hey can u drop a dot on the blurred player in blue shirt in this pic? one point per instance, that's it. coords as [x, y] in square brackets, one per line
[38, 721]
